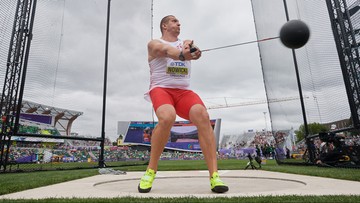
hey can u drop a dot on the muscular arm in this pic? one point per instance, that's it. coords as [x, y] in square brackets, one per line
[158, 49]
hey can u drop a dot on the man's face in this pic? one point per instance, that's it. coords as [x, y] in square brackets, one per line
[173, 25]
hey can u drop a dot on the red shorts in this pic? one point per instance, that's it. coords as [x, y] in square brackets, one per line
[182, 100]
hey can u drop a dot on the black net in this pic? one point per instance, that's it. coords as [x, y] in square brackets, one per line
[354, 7]
[66, 36]
[7, 13]
[320, 76]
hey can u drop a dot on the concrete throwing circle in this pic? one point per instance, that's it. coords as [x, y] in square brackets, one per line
[200, 185]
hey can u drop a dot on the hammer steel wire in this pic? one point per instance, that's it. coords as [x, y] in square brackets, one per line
[243, 43]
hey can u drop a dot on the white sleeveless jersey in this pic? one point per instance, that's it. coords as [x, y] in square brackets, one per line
[168, 73]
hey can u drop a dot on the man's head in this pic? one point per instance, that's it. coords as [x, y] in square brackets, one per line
[165, 22]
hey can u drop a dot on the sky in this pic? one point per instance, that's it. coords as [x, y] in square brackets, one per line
[76, 82]
[67, 60]
[230, 75]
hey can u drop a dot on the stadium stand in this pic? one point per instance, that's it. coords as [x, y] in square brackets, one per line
[64, 118]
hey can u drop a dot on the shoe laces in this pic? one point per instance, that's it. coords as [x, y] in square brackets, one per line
[215, 177]
[149, 175]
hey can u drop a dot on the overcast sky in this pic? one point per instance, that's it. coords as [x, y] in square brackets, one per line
[231, 75]
[66, 63]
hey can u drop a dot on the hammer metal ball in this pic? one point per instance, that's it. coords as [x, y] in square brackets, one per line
[294, 34]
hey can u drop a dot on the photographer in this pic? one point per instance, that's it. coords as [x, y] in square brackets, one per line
[331, 149]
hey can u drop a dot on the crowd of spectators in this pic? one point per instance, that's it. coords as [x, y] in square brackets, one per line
[262, 139]
[86, 151]
[65, 154]
[82, 151]
[38, 128]
[239, 149]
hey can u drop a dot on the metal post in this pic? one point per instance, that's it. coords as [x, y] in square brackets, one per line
[265, 121]
[10, 104]
[101, 157]
[24, 71]
[306, 129]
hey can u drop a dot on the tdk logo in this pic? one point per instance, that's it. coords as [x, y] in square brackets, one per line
[177, 63]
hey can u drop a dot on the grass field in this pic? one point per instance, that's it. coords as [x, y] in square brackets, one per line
[14, 182]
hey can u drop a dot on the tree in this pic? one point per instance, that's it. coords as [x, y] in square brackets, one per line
[314, 128]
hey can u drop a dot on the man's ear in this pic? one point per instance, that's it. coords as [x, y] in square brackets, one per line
[163, 26]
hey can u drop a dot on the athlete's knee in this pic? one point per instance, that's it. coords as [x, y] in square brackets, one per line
[166, 115]
[199, 114]
[167, 121]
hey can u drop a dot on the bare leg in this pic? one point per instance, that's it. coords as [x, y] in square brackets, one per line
[200, 117]
[166, 115]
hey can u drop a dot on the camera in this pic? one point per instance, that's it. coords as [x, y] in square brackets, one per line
[338, 141]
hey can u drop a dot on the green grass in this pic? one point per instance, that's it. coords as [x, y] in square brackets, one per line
[14, 182]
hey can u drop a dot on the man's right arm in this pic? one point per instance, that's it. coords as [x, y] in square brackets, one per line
[158, 49]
